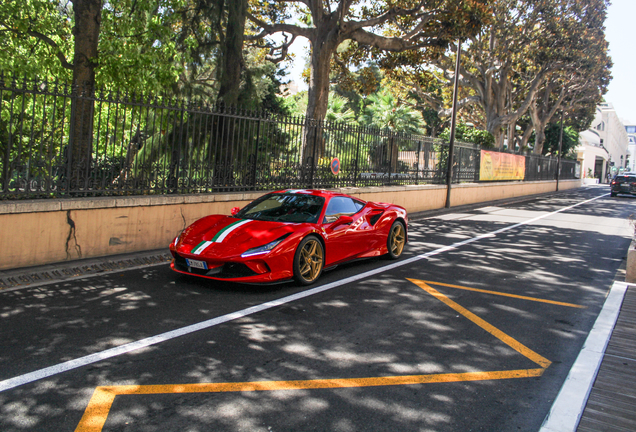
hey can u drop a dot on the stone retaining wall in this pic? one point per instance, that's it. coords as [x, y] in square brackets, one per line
[41, 232]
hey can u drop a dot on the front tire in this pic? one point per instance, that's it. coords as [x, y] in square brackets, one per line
[396, 240]
[309, 260]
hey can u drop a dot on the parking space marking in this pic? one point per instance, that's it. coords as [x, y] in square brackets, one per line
[96, 413]
[512, 343]
[572, 305]
[103, 397]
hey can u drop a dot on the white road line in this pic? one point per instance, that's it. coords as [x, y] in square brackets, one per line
[566, 411]
[126, 348]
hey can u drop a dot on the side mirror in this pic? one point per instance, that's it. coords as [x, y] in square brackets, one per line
[235, 210]
[343, 220]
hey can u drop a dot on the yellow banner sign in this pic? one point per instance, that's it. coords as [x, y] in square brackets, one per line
[501, 166]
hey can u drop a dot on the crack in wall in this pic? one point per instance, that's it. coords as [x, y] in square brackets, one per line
[182, 217]
[71, 235]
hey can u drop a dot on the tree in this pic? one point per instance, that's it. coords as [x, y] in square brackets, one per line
[232, 53]
[23, 23]
[384, 112]
[382, 25]
[338, 110]
[552, 135]
[583, 75]
[533, 56]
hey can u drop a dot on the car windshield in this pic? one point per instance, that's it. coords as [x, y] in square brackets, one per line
[284, 207]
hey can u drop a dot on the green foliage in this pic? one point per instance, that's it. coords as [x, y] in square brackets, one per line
[21, 51]
[384, 111]
[338, 111]
[138, 48]
[467, 133]
[296, 104]
[570, 140]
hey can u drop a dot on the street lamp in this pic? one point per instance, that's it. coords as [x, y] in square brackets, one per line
[558, 168]
[451, 144]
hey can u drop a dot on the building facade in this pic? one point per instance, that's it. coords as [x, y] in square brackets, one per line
[631, 148]
[603, 148]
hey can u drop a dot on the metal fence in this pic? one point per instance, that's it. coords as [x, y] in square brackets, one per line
[58, 141]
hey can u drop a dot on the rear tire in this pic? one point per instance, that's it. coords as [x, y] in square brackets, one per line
[309, 260]
[396, 240]
[613, 194]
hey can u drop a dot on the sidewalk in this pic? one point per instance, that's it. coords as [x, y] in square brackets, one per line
[611, 405]
[599, 393]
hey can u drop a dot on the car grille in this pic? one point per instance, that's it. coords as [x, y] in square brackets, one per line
[229, 270]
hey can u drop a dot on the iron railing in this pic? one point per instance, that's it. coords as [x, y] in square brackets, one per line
[58, 141]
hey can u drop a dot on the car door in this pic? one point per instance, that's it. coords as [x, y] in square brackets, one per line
[343, 240]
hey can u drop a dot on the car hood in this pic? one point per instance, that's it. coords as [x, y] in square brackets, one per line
[220, 237]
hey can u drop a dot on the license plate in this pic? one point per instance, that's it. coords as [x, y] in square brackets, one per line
[197, 264]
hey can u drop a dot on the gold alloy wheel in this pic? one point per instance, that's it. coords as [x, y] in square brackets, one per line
[311, 258]
[397, 239]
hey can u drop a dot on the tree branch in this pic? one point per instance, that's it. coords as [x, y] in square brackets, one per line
[58, 52]
[387, 43]
[269, 29]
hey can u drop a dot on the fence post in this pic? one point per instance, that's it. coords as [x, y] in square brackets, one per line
[71, 136]
[477, 153]
[255, 167]
[417, 162]
[390, 147]
[313, 157]
[355, 165]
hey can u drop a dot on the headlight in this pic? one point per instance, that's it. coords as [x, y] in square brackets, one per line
[176, 240]
[261, 249]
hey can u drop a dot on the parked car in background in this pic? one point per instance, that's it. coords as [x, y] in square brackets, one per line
[624, 183]
[289, 234]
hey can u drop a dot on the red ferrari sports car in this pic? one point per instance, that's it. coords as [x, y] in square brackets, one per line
[289, 234]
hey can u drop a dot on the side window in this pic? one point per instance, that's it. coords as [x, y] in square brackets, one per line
[339, 206]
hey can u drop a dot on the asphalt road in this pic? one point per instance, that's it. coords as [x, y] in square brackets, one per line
[475, 337]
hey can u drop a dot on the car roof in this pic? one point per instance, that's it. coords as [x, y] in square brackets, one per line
[316, 192]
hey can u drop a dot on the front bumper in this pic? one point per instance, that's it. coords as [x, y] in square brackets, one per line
[272, 269]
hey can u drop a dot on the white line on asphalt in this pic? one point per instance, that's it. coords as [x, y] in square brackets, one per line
[153, 340]
[568, 407]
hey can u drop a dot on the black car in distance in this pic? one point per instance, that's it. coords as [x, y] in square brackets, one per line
[624, 183]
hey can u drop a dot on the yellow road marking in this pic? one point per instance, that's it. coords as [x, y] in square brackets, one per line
[507, 295]
[102, 400]
[512, 343]
[96, 413]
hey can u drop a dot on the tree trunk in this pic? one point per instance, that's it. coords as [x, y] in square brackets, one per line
[232, 58]
[527, 133]
[86, 36]
[323, 46]
[539, 129]
[539, 140]
[512, 136]
[231, 73]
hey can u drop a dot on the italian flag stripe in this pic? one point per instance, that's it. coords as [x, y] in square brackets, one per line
[220, 236]
[200, 247]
